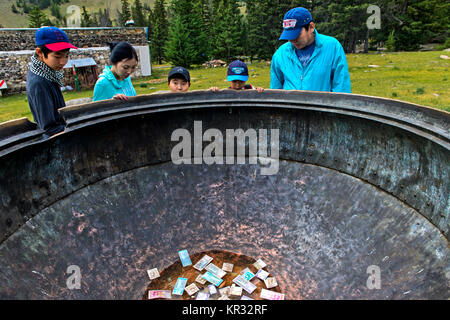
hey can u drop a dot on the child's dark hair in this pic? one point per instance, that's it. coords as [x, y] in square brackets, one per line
[121, 51]
[45, 50]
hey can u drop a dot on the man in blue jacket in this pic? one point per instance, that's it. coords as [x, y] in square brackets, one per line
[309, 60]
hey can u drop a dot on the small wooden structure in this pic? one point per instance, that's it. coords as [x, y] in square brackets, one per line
[81, 73]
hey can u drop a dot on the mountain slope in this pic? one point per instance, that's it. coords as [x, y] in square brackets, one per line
[11, 20]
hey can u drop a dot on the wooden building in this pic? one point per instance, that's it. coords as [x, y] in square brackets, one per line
[84, 70]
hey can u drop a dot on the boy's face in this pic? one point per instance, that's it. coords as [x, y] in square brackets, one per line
[179, 85]
[55, 59]
[237, 84]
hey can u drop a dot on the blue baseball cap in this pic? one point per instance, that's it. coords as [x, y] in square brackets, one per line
[293, 22]
[237, 70]
[53, 38]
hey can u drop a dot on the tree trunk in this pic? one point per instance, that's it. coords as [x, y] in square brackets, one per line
[366, 42]
[405, 6]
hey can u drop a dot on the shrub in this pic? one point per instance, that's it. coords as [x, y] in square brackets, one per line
[419, 91]
[390, 42]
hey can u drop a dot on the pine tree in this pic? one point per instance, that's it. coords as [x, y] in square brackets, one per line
[200, 37]
[103, 17]
[390, 43]
[125, 14]
[421, 21]
[54, 9]
[228, 30]
[414, 22]
[187, 40]
[265, 21]
[138, 14]
[43, 4]
[26, 8]
[276, 15]
[179, 50]
[207, 8]
[257, 29]
[150, 18]
[14, 9]
[37, 18]
[348, 23]
[86, 19]
[158, 31]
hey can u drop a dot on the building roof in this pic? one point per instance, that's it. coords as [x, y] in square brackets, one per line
[80, 63]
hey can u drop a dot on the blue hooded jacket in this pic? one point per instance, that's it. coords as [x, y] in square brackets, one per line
[327, 69]
[108, 86]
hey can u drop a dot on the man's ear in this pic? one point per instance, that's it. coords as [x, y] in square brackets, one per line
[312, 25]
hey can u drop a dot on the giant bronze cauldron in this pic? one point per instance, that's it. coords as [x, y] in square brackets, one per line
[362, 182]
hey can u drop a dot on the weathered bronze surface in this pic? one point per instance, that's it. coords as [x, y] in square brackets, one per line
[362, 181]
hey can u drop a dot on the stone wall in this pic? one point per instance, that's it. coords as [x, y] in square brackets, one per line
[17, 46]
[14, 65]
[13, 69]
[23, 39]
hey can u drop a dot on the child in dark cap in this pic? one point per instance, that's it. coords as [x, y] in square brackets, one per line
[179, 79]
[44, 80]
[237, 75]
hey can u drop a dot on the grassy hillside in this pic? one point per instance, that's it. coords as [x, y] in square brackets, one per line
[11, 20]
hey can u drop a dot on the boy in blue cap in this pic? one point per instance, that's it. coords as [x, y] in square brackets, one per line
[44, 80]
[309, 60]
[237, 74]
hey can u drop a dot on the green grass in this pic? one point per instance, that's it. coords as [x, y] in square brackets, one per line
[417, 77]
